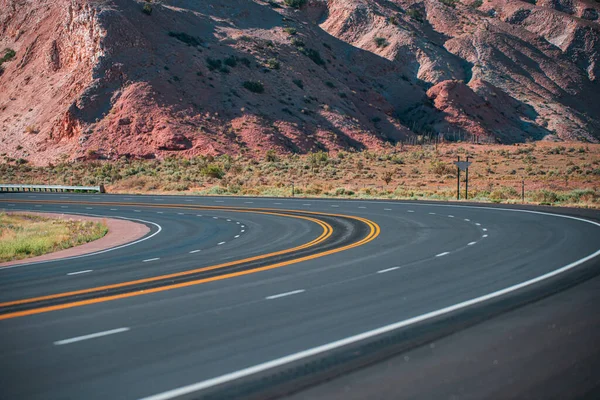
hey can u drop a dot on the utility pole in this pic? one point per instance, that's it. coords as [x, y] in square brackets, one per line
[467, 181]
[458, 181]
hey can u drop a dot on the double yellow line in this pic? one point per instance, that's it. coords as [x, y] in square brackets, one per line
[327, 232]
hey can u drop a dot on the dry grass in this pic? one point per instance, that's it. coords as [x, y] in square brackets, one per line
[554, 173]
[23, 236]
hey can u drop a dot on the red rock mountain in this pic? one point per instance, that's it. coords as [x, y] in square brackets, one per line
[112, 78]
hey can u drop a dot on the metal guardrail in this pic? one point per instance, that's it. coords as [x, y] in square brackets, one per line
[11, 187]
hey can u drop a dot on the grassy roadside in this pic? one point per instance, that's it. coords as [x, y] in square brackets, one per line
[23, 236]
[566, 174]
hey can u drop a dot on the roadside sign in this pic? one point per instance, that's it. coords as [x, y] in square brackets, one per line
[462, 165]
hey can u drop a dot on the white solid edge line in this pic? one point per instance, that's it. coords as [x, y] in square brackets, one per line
[383, 271]
[80, 272]
[443, 254]
[90, 336]
[375, 332]
[101, 251]
[277, 296]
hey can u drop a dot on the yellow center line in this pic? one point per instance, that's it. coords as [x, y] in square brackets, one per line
[327, 231]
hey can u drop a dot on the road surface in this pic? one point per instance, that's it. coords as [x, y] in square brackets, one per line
[258, 297]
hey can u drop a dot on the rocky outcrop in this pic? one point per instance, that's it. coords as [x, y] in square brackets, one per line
[103, 78]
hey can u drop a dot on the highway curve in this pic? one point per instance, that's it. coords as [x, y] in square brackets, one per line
[258, 297]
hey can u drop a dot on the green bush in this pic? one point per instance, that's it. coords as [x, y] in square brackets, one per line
[185, 38]
[230, 61]
[9, 54]
[415, 14]
[271, 156]
[314, 55]
[273, 63]
[147, 9]
[381, 42]
[290, 31]
[213, 171]
[254, 86]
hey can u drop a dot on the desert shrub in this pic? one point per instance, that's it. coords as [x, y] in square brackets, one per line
[415, 14]
[185, 38]
[477, 3]
[503, 193]
[254, 86]
[9, 54]
[440, 168]
[330, 84]
[294, 3]
[449, 3]
[230, 61]
[290, 31]
[299, 83]
[212, 171]
[147, 9]
[314, 55]
[544, 196]
[273, 63]
[271, 156]
[380, 42]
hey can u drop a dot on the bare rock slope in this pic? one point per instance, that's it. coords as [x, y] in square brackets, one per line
[111, 78]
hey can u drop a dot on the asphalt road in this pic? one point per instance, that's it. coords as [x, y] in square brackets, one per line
[241, 297]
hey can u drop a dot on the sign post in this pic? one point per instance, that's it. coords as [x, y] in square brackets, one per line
[462, 166]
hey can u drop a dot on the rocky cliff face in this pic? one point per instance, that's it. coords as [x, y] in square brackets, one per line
[104, 79]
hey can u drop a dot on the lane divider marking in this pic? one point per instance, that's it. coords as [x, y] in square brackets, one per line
[151, 259]
[90, 336]
[218, 244]
[277, 296]
[80, 272]
[374, 232]
[383, 271]
[443, 254]
[485, 236]
[471, 244]
[194, 251]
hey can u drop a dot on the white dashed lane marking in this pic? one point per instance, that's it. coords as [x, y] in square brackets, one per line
[194, 251]
[80, 272]
[90, 336]
[443, 254]
[151, 259]
[383, 271]
[277, 296]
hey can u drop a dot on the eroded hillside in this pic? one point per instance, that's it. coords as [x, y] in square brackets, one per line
[112, 78]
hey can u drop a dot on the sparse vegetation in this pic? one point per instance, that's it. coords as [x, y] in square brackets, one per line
[417, 172]
[449, 3]
[381, 42]
[477, 3]
[415, 15]
[23, 235]
[273, 63]
[299, 83]
[254, 86]
[185, 38]
[294, 3]
[290, 31]
[31, 129]
[147, 9]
